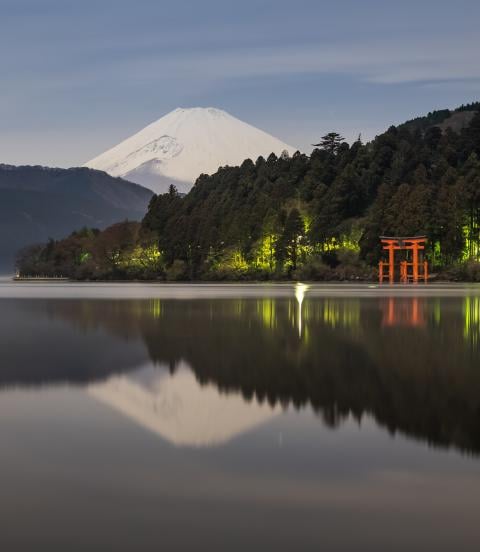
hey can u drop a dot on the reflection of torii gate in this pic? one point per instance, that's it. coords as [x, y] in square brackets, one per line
[403, 312]
[414, 244]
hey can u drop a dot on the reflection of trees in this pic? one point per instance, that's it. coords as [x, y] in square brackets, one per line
[423, 383]
[422, 380]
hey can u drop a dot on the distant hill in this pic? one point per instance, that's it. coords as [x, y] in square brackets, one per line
[37, 203]
[456, 119]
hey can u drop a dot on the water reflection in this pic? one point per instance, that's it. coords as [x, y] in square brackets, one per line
[471, 313]
[215, 367]
[403, 312]
[179, 409]
[300, 290]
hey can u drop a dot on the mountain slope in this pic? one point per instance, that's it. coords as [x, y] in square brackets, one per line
[181, 146]
[37, 203]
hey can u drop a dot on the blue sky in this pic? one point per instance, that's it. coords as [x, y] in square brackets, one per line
[78, 76]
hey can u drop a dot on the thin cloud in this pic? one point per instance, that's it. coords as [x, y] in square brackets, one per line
[382, 63]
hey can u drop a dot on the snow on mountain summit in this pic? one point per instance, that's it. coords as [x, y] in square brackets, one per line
[183, 144]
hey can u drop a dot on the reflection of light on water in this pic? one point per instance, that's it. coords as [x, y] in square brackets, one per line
[266, 310]
[156, 308]
[300, 291]
[404, 312]
[471, 313]
[341, 313]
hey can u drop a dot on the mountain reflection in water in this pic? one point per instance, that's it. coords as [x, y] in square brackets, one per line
[410, 362]
[179, 409]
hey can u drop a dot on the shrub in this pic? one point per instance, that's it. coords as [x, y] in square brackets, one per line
[469, 271]
[177, 271]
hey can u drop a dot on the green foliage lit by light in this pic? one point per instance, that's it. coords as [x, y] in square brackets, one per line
[84, 257]
[264, 252]
[231, 260]
[472, 245]
[344, 242]
[436, 252]
[348, 241]
[147, 257]
[307, 223]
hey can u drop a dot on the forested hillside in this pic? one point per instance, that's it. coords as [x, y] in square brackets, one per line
[320, 216]
[38, 203]
[302, 214]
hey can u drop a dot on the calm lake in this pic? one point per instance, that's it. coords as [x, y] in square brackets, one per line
[239, 417]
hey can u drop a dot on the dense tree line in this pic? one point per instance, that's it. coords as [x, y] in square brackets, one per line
[121, 251]
[320, 216]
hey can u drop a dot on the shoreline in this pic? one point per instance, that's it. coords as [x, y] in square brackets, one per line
[359, 282]
[260, 291]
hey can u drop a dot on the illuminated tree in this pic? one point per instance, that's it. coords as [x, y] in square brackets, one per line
[289, 242]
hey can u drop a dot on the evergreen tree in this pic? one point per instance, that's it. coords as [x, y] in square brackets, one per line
[449, 222]
[289, 242]
[471, 195]
[331, 142]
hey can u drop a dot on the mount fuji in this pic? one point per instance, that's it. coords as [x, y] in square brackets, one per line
[182, 145]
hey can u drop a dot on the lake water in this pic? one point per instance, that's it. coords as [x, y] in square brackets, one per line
[230, 417]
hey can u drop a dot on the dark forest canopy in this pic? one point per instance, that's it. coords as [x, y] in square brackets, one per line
[320, 216]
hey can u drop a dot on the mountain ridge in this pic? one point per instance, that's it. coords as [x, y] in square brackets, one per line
[444, 118]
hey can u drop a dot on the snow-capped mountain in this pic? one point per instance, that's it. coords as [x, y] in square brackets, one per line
[182, 145]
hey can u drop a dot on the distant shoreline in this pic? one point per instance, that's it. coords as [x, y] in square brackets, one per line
[40, 279]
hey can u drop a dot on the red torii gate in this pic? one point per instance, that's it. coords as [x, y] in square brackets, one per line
[395, 243]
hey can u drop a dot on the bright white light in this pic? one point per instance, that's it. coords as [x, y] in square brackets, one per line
[300, 291]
